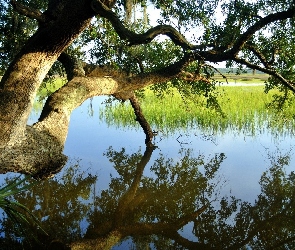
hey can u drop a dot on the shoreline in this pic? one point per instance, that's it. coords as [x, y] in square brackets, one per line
[239, 84]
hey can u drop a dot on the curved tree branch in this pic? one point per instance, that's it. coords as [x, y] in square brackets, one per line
[278, 16]
[29, 12]
[221, 55]
[58, 107]
[131, 198]
[166, 229]
[182, 221]
[134, 38]
[142, 121]
[188, 244]
[178, 39]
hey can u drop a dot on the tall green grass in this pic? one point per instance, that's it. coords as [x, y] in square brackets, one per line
[244, 109]
[47, 88]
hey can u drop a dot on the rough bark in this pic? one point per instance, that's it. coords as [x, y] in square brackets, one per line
[17, 94]
[25, 74]
[40, 155]
[55, 117]
[56, 113]
[77, 68]
[22, 148]
[52, 126]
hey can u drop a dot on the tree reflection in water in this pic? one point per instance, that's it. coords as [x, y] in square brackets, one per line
[152, 209]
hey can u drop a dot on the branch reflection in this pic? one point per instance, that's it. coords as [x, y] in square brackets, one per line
[150, 202]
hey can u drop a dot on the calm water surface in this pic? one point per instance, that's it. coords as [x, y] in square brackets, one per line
[246, 156]
[187, 171]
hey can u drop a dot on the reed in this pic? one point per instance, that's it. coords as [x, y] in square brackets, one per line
[244, 110]
[49, 86]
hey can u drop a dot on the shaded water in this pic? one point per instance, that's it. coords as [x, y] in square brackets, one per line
[195, 190]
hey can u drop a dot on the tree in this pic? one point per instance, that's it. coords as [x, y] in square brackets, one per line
[257, 34]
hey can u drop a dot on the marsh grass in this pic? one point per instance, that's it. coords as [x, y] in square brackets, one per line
[46, 89]
[50, 86]
[244, 78]
[244, 109]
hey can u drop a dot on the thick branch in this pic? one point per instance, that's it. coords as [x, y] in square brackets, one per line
[169, 230]
[144, 38]
[39, 155]
[219, 56]
[188, 244]
[283, 15]
[29, 12]
[178, 39]
[131, 198]
[189, 217]
[58, 107]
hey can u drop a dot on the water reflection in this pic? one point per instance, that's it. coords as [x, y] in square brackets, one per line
[152, 210]
[60, 204]
[150, 196]
[137, 205]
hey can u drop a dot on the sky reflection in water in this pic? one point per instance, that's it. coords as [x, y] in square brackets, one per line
[246, 159]
[246, 156]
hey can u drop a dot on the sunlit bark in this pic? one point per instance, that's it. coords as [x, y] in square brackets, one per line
[23, 148]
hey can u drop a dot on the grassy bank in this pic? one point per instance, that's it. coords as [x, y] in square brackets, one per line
[244, 109]
[50, 86]
[46, 89]
[242, 78]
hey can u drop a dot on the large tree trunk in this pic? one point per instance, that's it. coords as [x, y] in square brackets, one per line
[25, 149]
[25, 74]
[18, 90]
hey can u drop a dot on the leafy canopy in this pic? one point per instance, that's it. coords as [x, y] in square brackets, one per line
[254, 34]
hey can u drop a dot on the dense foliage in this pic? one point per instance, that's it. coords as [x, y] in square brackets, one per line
[264, 41]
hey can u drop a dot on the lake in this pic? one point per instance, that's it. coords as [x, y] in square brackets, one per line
[194, 190]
